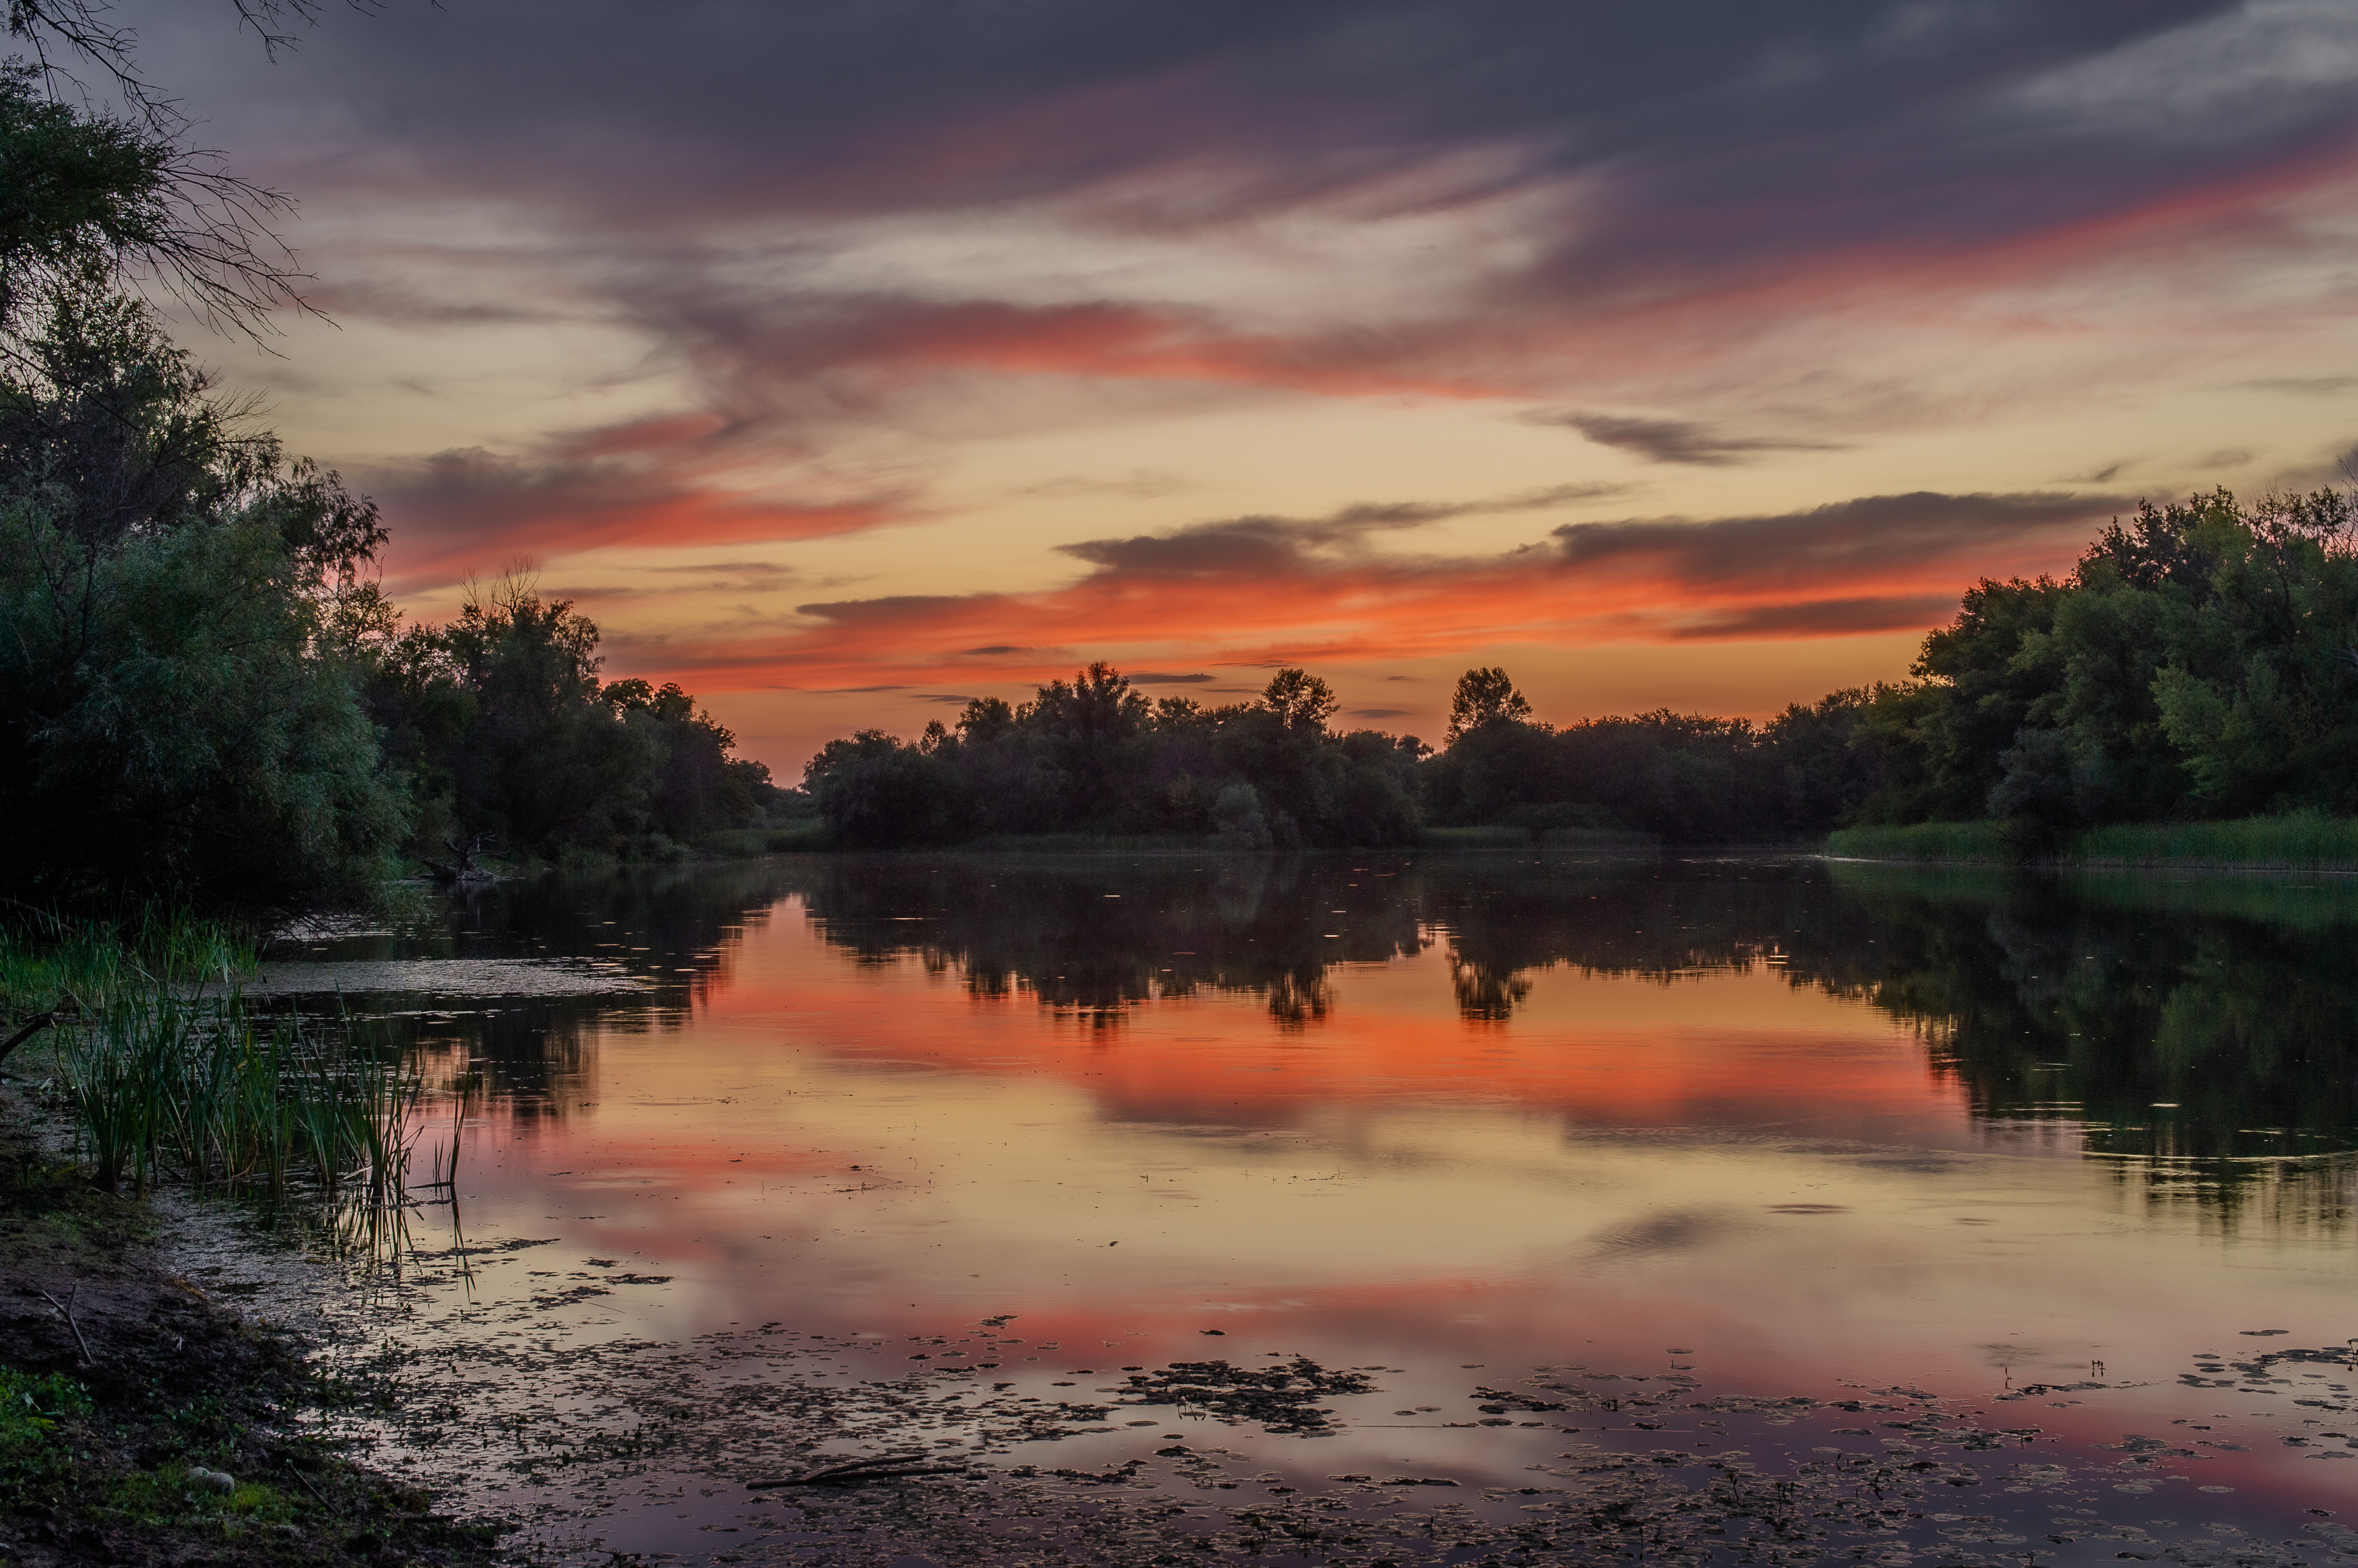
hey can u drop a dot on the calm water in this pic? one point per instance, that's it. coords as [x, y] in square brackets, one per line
[1786, 1125]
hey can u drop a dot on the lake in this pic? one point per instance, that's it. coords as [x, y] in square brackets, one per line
[1810, 1162]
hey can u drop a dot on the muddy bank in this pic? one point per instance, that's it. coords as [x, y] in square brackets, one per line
[484, 1374]
[768, 1445]
[143, 1422]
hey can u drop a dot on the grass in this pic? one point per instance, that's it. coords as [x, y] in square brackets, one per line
[2299, 842]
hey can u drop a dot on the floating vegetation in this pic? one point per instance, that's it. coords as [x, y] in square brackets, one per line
[1284, 1396]
[469, 978]
[766, 1445]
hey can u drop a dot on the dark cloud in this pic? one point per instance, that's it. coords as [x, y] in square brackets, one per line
[1674, 440]
[1821, 618]
[471, 509]
[1724, 139]
[1873, 534]
[890, 607]
[996, 648]
[1381, 712]
[889, 102]
[1272, 544]
[1155, 678]
[1875, 563]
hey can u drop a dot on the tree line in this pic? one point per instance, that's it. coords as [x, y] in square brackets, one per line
[203, 692]
[2201, 662]
[1095, 755]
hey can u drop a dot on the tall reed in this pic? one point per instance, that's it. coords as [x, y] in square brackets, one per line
[170, 1072]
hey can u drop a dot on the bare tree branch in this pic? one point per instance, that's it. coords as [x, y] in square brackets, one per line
[212, 244]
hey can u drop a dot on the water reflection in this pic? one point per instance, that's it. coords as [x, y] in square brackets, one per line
[1816, 1122]
[2197, 1032]
[2181, 1020]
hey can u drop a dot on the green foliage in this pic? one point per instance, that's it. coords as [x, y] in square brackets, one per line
[161, 1080]
[2198, 664]
[166, 1069]
[30, 1407]
[2301, 841]
[1484, 697]
[1681, 777]
[506, 739]
[176, 724]
[39, 1418]
[75, 189]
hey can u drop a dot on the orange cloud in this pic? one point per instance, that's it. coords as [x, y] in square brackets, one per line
[1263, 590]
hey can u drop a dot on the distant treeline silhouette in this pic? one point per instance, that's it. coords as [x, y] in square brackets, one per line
[2202, 661]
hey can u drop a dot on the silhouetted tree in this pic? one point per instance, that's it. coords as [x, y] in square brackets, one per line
[1484, 696]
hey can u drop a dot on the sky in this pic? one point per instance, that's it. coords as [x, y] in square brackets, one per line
[846, 359]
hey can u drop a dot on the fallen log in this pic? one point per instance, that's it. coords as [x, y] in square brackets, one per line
[39, 1023]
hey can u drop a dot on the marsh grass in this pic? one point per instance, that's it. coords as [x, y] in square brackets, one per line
[170, 1072]
[2301, 841]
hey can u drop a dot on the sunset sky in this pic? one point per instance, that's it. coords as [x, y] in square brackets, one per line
[845, 359]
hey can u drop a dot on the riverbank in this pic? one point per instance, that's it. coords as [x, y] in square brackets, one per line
[2296, 843]
[142, 1423]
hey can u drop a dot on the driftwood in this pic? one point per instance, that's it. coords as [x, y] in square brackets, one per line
[859, 1472]
[40, 1021]
[65, 1310]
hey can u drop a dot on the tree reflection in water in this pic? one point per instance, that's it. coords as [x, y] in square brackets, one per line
[2196, 1033]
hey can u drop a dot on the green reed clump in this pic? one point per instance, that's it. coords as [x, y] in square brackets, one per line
[197, 1085]
[169, 1072]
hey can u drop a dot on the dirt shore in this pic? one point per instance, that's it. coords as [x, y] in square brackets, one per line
[142, 1424]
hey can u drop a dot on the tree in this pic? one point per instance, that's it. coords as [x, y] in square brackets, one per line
[129, 193]
[1484, 696]
[546, 762]
[178, 707]
[1082, 729]
[1301, 702]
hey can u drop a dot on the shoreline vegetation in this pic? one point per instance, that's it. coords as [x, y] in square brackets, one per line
[2299, 842]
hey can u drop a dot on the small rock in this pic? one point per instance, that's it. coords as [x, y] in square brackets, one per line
[219, 1480]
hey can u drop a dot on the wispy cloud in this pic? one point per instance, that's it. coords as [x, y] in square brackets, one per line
[1674, 440]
